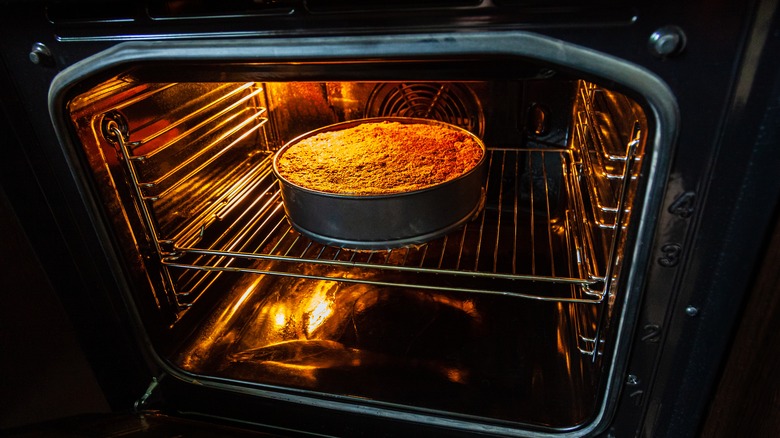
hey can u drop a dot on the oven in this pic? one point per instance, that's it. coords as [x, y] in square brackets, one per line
[585, 286]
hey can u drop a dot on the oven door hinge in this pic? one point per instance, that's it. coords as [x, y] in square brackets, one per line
[142, 404]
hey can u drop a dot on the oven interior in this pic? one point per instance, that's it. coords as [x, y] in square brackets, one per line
[508, 320]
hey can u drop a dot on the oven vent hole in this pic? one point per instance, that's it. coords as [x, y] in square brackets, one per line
[447, 102]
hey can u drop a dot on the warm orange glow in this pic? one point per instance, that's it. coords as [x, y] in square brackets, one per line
[295, 316]
[455, 375]
[225, 318]
[280, 319]
[220, 330]
[243, 298]
[298, 368]
[321, 308]
[466, 306]
[302, 372]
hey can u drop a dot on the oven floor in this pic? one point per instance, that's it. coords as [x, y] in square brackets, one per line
[497, 357]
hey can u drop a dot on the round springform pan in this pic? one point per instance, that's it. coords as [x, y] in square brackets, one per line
[384, 221]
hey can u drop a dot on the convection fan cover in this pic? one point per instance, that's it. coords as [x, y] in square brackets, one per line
[447, 102]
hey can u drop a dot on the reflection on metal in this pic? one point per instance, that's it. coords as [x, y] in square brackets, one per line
[385, 343]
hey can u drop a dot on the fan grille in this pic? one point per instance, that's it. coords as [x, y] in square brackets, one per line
[447, 102]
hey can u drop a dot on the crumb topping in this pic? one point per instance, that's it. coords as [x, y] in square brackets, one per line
[380, 158]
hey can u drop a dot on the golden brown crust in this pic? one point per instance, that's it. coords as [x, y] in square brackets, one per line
[380, 158]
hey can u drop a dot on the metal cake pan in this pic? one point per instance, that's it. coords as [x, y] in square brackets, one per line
[382, 221]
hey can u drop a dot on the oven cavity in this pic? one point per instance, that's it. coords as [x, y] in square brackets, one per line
[507, 318]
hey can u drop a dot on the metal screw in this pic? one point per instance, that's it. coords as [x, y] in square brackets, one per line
[632, 380]
[41, 55]
[691, 311]
[667, 41]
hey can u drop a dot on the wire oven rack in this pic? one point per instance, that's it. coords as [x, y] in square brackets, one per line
[548, 230]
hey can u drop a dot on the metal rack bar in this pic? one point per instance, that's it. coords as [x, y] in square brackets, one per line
[482, 226]
[631, 151]
[498, 221]
[598, 184]
[210, 103]
[231, 242]
[548, 217]
[515, 217]
[609, 150]
[248, 122]
[218, 110]
[393, 283]
[582, 234]
[532, 218]
[286, 257]
[241, 185]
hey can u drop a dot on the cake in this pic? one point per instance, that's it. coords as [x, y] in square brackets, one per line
[383, 157]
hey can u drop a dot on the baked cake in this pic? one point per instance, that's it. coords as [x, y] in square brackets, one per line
[375, 158]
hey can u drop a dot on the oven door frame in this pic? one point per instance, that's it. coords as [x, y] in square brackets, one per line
[656, 96]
